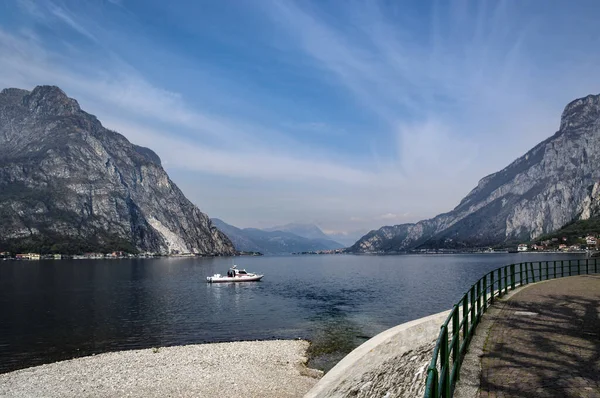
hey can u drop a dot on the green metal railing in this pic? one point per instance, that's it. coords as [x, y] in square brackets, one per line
[458, 329]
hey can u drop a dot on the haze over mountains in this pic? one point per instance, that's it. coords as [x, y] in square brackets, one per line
[285, 239]
[69, 185]
[553, 184]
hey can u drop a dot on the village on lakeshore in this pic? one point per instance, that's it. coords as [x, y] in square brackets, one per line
[107, 256]
[582, 244]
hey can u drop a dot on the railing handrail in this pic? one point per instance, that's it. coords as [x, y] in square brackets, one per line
[444, 369]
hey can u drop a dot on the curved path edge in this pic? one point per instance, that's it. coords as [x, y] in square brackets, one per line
[391, 364]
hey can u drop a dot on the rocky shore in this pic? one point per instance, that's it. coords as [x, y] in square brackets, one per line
[238, 369]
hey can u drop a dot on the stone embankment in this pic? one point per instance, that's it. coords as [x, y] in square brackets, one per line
[239, 369]
[391, 364]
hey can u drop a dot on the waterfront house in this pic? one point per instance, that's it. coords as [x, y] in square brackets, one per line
[27, 256]
[522, 247]
[591, 240]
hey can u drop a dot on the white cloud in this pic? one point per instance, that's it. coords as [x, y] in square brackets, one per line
[254, 163]
[454, 105]
[70, 20]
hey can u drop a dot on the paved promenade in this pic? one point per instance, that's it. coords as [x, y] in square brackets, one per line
[545, 342]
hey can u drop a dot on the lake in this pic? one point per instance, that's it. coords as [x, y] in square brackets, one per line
[54, 310]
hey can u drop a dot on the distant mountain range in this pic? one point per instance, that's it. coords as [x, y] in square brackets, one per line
[555, 183]
[311, 231]
[278, 240]
[308, 231]
[69, 185]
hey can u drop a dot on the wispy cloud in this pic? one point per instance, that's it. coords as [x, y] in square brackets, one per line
[71, 21]
[127, 94]
[404, 109]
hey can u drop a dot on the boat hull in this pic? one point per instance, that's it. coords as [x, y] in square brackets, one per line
[225, 279]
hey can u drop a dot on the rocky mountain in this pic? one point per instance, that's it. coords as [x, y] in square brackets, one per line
[272, 242]
[553, 184]
[67, 184]
[309, 231]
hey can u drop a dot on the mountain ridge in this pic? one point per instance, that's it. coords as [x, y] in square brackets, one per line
[69, 184]
[537, 193]
[272, 242]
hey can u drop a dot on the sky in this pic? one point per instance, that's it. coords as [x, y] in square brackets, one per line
[347, 114]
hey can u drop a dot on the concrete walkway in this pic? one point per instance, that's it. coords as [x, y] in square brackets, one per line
[545, 342]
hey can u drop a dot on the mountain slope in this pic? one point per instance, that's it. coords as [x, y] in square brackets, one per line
[538, 193]
[69, 184]
[272, 242]
[308, 231]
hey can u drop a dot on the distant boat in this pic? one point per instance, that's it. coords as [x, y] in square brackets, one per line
[234, 275]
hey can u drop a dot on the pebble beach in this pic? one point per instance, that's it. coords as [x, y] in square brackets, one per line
[237, 369]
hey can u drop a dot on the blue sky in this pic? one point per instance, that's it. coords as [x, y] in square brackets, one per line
[348, 114]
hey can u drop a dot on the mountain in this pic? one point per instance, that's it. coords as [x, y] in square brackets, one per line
[67, 184]
[272, 242]
[347, 238]
[241, 241]
[308, 231]
[551, 185]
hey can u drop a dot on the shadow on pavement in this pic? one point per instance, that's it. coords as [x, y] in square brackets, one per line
[546, 342]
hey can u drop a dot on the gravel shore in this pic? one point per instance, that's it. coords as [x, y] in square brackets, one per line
[239, 369]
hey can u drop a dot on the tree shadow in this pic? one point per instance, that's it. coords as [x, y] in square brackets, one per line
[546, 342]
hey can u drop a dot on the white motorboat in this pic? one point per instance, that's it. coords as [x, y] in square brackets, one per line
[234, 275]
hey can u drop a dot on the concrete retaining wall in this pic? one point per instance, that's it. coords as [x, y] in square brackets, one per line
[391, 364]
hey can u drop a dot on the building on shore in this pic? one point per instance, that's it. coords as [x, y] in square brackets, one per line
[27, 256]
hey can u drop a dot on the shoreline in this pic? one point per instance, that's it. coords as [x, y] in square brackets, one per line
[270, 368]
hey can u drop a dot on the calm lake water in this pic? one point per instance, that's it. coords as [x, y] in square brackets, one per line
[54, 310]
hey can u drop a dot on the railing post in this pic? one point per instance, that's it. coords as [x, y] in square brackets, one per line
[456, 337]
[547, 271]
[485, 293]
[499, 282]
[532, 272]
[506, 280]
[431, 389]
[578, 267]
[554, 275]
[492, 287]
[595, 265]
[540, 274]
[444, 363]
[512, 277]
[478, 291]
[521, 273]
[570, 267]
[472, 310]
[526, 274]
[587, 266]
[562, 268]
[466, 317]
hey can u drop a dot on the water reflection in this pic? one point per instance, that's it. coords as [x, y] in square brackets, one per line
[55, 310]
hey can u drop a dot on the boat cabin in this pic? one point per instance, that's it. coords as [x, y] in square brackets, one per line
[235, 272]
